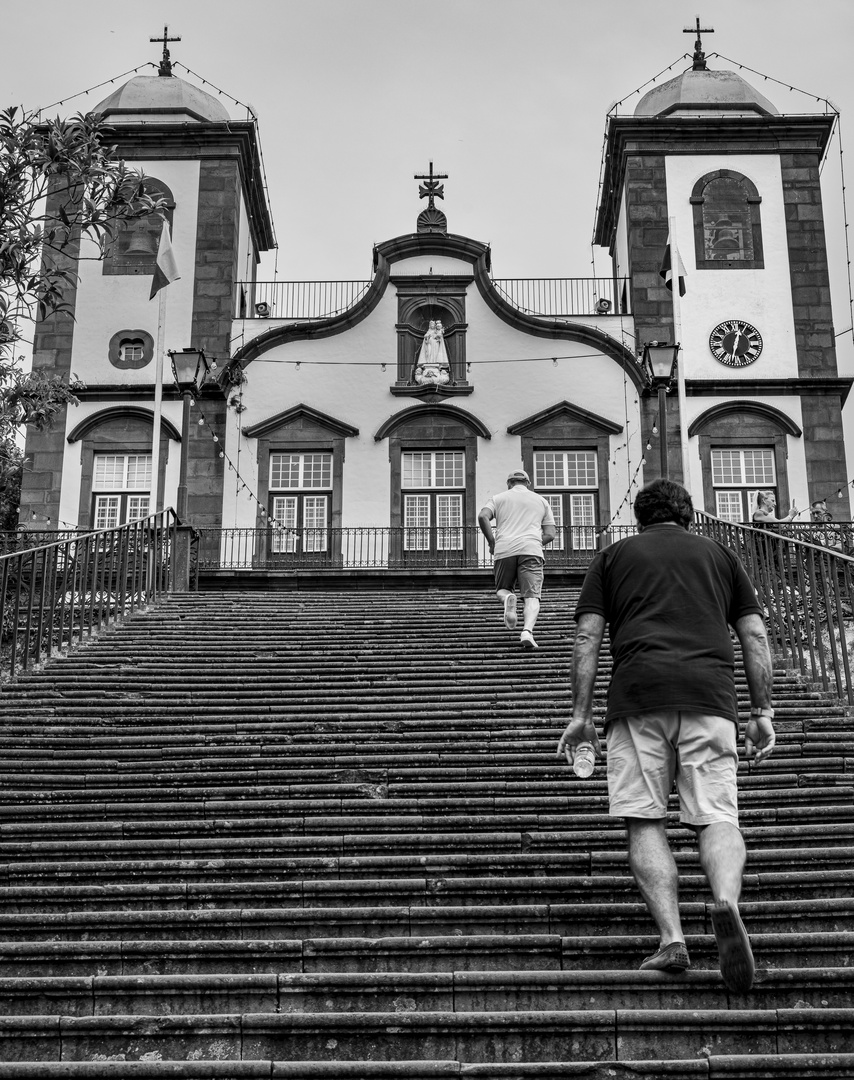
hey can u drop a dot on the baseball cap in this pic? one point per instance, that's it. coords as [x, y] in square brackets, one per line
[519, 474]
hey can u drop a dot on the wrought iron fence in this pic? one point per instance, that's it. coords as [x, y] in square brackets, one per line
[567, 296]
[537, 296]
[462, 548]
[807, 590]
[55, 594]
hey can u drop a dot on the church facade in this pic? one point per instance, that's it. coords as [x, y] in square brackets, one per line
[401, 403]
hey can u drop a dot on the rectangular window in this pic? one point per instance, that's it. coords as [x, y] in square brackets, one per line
[300, 470]
[433, 469]
[728, 505]
[583, 522]
[121, 486]
[556, 503]
[449, 520]
[565, 469]
[743, 467]
[416, 522]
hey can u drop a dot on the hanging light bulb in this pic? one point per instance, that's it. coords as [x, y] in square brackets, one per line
[839, 494]
[215, 438]
[655, 429]
[201, 421]
[648, 445]
[222, 453]
[643, 461]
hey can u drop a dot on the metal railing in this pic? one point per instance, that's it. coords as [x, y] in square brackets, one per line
[55, 594]
[807, 591]
[462, 548]
[306, 300]
[300, 300]
[566, 296]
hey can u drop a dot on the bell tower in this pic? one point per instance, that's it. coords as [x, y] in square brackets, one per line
[206, 166]
[710, 160]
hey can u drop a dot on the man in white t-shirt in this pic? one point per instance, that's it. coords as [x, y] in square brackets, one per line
[524, 523]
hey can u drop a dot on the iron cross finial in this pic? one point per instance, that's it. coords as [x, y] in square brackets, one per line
[165, 64]
[699, 55]
[431, 189]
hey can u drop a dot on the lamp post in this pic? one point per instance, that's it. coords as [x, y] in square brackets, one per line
[659, 367]
[190, 368]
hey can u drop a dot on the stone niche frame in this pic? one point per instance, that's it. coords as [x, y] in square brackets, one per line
[120, 430]
[565, 426]
[420, 299]
[752, 201]
[142, 337]
[298, 430]
[118, 262]
[743, 425]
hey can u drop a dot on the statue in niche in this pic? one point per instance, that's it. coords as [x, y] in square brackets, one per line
[432, 367]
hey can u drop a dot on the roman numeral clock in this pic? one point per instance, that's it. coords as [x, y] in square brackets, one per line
[735, 343]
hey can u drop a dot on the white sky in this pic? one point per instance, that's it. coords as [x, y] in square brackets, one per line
[508, 97]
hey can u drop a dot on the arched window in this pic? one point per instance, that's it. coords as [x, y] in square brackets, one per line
[133, 249]
[727, 227]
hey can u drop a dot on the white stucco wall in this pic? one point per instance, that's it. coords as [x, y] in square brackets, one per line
[761, 297]
[513, 373]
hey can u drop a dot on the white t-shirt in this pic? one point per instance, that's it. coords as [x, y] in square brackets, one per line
[519, 515]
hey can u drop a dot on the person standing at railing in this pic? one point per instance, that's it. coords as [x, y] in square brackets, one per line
[524, 524]
[765, 510]
[669, 597]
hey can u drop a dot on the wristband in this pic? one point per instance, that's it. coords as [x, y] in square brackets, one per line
[769, 712]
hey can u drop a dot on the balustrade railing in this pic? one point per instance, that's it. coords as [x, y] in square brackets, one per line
[55, 594]
[373, 548]
[807, 591]
[304, 300]
[566, 296]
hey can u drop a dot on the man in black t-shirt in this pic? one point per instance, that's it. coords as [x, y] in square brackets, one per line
[669, 597]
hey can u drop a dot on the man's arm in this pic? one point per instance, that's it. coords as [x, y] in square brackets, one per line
[484, 520]
[585, 664]
[759, 738]
[549, 533]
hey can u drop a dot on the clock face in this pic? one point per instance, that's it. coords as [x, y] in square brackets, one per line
[735, 343]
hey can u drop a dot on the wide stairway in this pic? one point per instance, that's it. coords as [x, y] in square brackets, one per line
[325, 834]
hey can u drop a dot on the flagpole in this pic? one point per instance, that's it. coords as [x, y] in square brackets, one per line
[680, 368]
[158, 402]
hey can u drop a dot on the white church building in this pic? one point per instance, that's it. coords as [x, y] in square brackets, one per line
[400, 403]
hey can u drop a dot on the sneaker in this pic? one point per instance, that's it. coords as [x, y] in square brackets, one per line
[526, 640]
[672, 957]
[510, 612]
[736, 956]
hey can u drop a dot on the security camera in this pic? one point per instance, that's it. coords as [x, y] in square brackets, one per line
[603, 307]
[263, 309]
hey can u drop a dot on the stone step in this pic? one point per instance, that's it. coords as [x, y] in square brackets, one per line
[461, 991]
[433, 891]
[380, 921]
[475, 952]
[822, 1066]
[589, 1034]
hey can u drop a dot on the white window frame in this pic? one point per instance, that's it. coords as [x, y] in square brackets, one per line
[436, 489]
[563, 460]
[121, 487]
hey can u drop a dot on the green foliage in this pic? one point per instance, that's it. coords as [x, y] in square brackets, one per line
[60, 181]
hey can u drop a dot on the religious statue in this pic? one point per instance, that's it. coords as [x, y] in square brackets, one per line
[432, 366]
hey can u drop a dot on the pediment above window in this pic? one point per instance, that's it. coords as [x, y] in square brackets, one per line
[565, 411]
[301, 413]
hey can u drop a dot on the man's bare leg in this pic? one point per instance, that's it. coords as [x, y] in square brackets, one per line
[530, 613]
[722, 857]
[654, 868]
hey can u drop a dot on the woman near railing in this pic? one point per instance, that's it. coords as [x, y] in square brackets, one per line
[765, 510]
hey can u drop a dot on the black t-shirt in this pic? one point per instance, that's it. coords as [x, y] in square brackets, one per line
[668, 596]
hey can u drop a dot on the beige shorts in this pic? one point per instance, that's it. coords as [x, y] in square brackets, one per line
[647, 752]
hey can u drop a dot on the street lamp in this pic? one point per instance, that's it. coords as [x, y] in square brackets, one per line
[659, 368]
[190, 368]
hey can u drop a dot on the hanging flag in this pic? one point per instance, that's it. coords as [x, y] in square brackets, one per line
[165, 268]
[671, 264]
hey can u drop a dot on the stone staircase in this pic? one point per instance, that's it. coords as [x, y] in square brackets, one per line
[325, 834]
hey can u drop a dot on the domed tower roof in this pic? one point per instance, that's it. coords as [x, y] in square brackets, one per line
[697, 92]
[147, 98]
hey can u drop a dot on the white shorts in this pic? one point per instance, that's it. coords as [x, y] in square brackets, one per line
[647, 752]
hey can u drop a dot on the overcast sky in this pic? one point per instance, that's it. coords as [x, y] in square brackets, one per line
[509, 97]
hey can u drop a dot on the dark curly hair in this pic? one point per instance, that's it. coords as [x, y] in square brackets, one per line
[664, 500]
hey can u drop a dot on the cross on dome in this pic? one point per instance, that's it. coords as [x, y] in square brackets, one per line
[165, 64]
[699, 55]
[431, 189]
